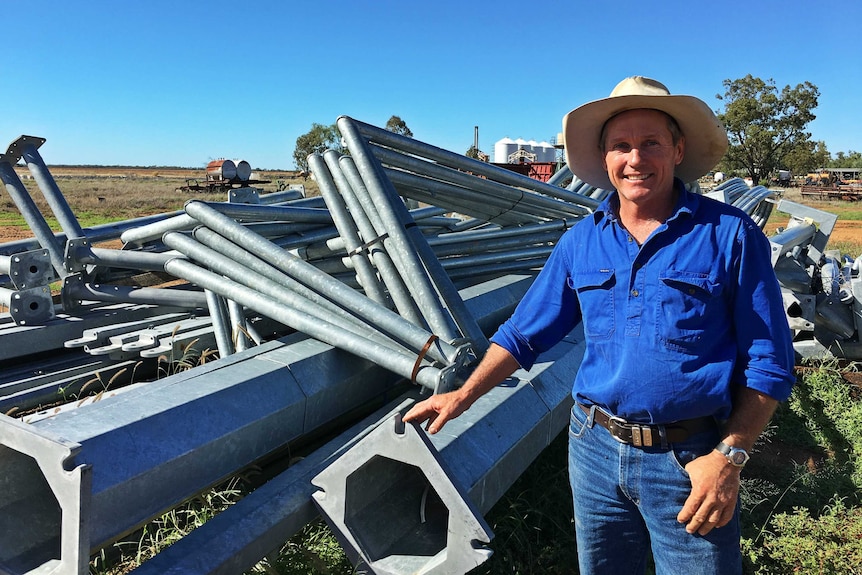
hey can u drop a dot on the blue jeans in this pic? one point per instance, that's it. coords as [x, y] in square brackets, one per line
[626, 501]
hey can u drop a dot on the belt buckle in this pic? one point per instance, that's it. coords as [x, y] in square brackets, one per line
[615, 424]
[641, 435]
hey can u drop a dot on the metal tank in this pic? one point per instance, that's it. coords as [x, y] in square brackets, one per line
[221, 170]
[546, 152]
[243, 170]
[502, 149]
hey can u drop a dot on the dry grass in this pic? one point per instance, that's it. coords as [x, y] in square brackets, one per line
[99, 195]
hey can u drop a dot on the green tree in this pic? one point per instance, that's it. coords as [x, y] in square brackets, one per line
[319, 139]
[850, 159]
[763, 125]
[806, 157]
[397, 125]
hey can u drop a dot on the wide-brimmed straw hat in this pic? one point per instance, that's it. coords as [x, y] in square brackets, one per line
[705, 136]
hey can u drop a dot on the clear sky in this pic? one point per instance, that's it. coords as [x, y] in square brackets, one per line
[174, 82]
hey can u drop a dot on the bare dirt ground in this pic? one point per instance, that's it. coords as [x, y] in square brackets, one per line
[847, 231]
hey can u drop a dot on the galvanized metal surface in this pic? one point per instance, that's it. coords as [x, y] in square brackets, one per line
[247, 401]
[396, 509]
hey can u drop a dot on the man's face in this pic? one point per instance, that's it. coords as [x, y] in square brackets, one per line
[640, 156]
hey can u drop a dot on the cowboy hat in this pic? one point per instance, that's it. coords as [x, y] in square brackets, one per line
[705, 136]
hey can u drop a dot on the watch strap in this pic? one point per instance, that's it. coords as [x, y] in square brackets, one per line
[735, 455]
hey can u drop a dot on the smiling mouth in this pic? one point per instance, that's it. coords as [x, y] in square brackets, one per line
[636, 177]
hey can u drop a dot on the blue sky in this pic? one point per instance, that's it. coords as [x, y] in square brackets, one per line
[180, 83]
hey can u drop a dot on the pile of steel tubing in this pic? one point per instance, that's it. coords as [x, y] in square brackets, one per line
[755, 201]
[317, 307]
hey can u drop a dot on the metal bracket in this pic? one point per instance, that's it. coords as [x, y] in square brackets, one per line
[30, 269]
[71, 292]
[243, 196]
[16, 149]
[76, 250]
[32, 306]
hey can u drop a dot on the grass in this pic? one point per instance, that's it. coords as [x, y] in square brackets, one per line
[99, 199]
[805, 516]
[157, 535]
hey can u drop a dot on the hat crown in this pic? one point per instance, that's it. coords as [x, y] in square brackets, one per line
[640, 86]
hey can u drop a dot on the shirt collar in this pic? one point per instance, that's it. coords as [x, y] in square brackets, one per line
[686, 203]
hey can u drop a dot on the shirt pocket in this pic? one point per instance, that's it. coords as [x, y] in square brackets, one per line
[688, 304]
[596, 297]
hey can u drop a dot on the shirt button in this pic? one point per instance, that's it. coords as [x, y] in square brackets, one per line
[635, 293]
[631, 239]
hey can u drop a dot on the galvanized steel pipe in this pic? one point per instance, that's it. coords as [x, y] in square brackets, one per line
[347, 230]
[420, 262]
[373, 232]
[461, 162]
[304, 272]
[34, 218]
[536, 202]
[28, 146]
[75, 291]
[220, 325]
[258, 276]
[403, 364]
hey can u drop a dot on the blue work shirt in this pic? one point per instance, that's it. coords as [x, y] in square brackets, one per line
[671, 326]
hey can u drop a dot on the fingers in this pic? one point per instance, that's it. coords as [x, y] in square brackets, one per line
[687, 513]
[701, 514]
[426, 411]
[415, 414]
[436, 410]
[420, 413]
[713, 496]
[703, 523]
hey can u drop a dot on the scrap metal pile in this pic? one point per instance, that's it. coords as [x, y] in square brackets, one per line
[322, 309]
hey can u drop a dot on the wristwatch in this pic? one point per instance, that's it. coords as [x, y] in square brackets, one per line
[735, 455]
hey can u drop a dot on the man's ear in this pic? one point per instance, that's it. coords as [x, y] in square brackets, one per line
[680, 150]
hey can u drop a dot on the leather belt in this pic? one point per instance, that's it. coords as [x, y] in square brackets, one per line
[649, 435]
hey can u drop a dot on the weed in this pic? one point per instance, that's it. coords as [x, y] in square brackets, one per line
[312, 551]
[170, 527]
[800, 543]
[189, 358]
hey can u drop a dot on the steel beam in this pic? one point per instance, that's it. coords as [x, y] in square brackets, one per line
[150, 448]
[486, 449]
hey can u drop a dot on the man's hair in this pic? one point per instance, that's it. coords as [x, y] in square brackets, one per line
[672, 126]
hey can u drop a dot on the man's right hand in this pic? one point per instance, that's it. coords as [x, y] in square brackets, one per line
[497, 365]
[437, 410]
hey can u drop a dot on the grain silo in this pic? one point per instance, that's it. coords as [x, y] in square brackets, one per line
[502, 149]
[546, 152]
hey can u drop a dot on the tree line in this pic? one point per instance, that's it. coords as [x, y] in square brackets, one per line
[766, 127]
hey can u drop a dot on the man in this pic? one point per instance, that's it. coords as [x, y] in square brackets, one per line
[688, 350]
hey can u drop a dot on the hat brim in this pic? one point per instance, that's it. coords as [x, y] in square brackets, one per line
[705, 136]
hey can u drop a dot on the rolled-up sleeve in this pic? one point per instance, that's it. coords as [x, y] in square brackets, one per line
[765, 356]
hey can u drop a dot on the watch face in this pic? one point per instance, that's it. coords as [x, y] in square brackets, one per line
[738, 457]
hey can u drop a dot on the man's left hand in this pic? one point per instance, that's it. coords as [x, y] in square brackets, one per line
[714, 491]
